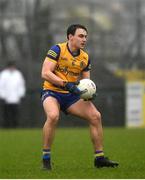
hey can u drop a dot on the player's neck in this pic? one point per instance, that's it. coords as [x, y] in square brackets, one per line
[72, 48]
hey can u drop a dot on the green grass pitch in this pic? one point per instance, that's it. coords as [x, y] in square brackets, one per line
[72, 154]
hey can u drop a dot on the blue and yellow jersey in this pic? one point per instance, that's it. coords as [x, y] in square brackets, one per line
[68, 66]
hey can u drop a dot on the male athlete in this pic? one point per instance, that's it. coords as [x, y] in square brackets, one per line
[65, 64]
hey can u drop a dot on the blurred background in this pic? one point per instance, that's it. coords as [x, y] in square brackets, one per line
[116, 43]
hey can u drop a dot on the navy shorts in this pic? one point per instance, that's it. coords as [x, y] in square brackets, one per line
[64, 99]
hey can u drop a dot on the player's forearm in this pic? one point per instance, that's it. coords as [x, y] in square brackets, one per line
[52, 78]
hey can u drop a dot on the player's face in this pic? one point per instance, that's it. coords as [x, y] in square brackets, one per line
[79, 39]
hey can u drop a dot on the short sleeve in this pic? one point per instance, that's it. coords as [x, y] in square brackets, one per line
[54, 52]
[88, 67]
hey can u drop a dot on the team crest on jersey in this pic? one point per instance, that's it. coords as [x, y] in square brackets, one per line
[82, 64]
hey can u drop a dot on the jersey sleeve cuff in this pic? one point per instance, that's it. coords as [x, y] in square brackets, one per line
[52, 60]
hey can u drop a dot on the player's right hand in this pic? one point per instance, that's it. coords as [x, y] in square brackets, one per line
[72, 88]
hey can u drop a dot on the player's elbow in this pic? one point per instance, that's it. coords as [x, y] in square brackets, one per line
[44, 74]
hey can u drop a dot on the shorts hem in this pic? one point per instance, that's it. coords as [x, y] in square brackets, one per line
[70, 105]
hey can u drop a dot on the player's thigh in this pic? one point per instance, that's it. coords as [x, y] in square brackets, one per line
[84, 109]
[51, 107]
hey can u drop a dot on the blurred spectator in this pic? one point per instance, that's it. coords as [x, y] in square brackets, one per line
[12, 90]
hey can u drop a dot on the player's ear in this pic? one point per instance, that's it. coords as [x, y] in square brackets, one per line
[70, 36]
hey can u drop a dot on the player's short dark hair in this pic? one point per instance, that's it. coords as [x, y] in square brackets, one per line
[72, 29]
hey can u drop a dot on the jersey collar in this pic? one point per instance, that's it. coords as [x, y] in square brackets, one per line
[74, 54]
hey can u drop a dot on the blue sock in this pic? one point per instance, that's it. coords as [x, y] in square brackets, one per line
[46, 153]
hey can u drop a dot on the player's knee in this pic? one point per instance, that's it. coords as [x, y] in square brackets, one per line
[52, 118]
[95, 118]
